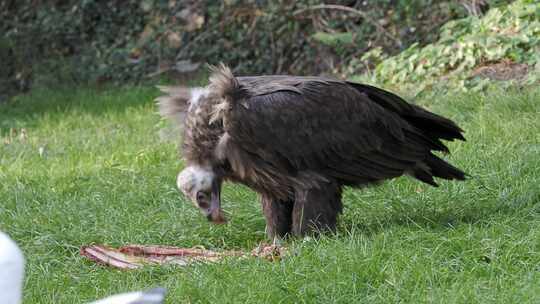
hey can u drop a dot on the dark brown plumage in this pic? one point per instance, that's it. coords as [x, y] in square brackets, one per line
[298, 140]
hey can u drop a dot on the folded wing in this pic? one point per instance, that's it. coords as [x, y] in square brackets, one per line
[353, 133]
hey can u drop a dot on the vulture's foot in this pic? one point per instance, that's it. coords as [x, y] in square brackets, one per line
[272, 252]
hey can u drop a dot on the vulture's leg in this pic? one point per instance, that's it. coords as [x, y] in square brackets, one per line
[278, 216]
[316, 209]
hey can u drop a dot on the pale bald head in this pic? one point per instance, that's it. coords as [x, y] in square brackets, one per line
[203, 187]
[194, 179]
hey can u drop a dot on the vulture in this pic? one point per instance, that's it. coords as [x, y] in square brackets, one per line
[297, 141]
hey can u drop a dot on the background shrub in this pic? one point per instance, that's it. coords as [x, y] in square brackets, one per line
[89, 41]
[502, 46]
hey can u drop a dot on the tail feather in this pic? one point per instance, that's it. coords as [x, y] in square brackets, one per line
[434, 166]
[424, 176]
[431, 124]
[442, 169]
[434, 125]
[432, 128]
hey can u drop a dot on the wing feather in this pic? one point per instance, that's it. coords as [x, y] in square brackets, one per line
[352, 133]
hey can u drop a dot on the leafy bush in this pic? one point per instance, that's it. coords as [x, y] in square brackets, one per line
[86, 41]
[56, 42]
[502, 45]
[46, 43]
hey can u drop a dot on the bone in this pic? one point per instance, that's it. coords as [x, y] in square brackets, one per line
[137, 256]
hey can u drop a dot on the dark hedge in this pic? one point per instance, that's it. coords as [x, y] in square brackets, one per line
[91, 41]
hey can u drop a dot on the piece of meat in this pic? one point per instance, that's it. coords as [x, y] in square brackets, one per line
[137, 256]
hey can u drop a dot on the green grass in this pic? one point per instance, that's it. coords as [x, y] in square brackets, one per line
[106, 177]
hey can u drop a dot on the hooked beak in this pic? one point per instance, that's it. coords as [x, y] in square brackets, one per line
[215, 214]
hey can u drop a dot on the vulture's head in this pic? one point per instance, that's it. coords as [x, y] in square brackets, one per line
[203, 187]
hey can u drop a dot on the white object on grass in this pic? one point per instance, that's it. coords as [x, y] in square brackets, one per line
[152, 296]
[11, 271]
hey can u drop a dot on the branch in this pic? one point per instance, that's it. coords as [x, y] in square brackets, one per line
[350, 10]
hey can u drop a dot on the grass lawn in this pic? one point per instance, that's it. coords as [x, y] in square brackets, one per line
[105, 176]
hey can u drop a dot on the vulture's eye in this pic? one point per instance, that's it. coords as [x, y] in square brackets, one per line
[201, 196]
[202, 199]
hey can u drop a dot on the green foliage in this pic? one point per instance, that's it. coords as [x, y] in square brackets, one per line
[71, 41]
[104, 176]
[502, 45]
[87, 41]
